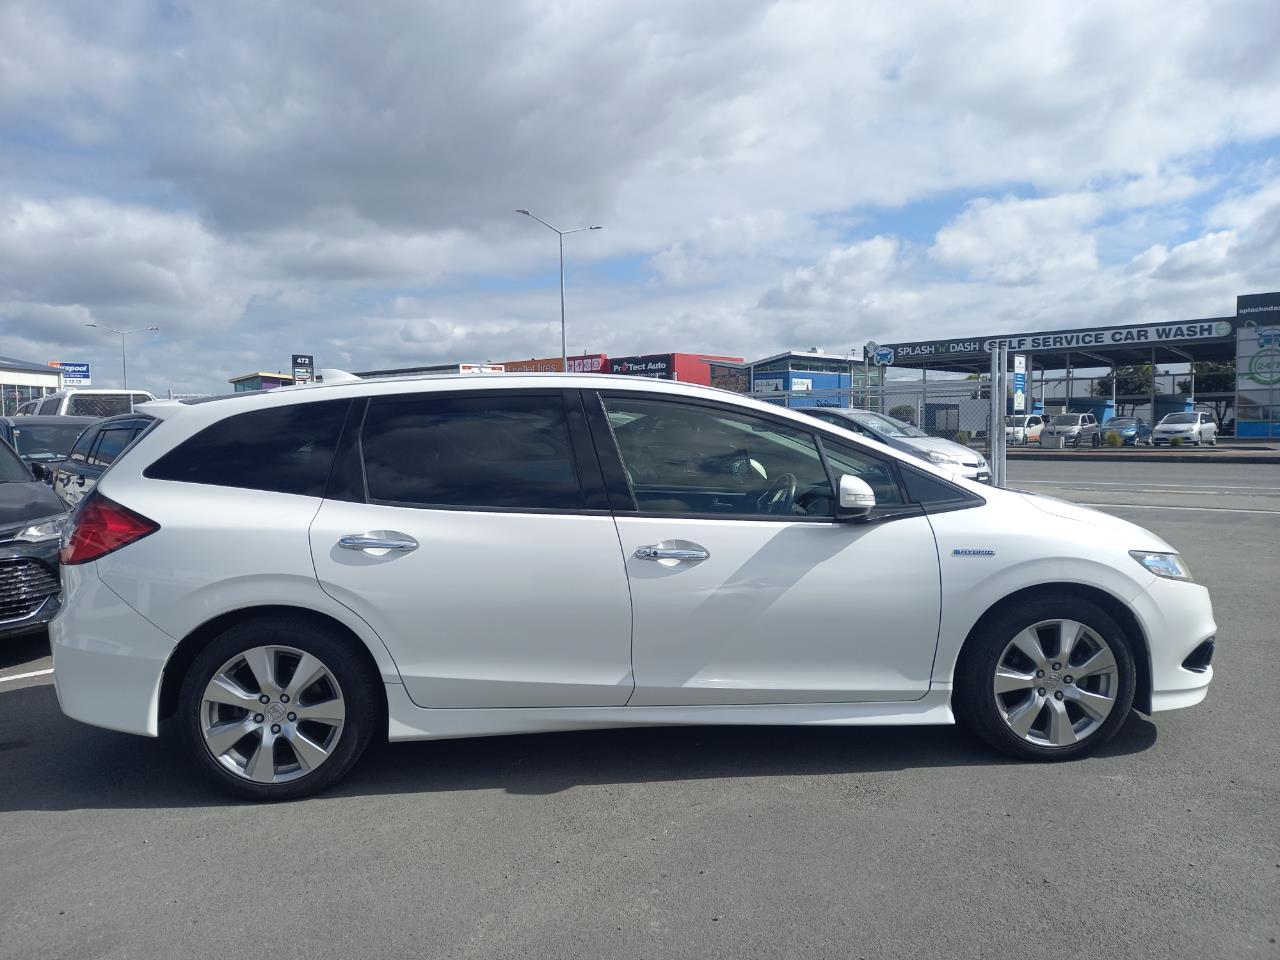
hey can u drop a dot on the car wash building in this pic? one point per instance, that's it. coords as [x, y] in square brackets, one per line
[1104, 369]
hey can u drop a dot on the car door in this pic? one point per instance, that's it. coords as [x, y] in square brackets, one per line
[476, 540]
[744, 587]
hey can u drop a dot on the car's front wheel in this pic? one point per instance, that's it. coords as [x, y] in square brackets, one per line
[278, 708]
[1046, 679]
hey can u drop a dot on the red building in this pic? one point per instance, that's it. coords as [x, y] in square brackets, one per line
[685, 367]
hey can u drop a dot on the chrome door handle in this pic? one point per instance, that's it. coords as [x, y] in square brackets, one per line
[655, 552]
[360, 542]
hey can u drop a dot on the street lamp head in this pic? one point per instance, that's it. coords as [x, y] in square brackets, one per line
[153, 328]
[87, 324]
[525, 212]
[595, 228]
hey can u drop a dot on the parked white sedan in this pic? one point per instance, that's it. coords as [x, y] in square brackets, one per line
[1194, 428]
[292, 573]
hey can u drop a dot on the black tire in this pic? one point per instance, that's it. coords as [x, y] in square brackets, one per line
[974, 699]
[360, 689]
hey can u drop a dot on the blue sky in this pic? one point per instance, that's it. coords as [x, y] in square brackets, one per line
[257, 178]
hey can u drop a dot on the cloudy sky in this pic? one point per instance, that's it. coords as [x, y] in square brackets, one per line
[260, 178]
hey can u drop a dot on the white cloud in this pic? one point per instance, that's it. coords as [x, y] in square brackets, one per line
[267, 176]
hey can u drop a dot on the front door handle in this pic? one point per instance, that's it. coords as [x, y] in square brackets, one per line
[358, 541]
[656, 551]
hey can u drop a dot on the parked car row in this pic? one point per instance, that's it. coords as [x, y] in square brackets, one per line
[946, 454]
[48, 462]
[1084, 429]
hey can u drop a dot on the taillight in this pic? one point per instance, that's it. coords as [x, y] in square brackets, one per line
[101, 526]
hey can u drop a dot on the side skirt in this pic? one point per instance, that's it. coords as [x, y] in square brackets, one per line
[407, 721]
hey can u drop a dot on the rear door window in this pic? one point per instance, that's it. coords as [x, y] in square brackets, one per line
[493, 451]
[49, 406]
[287, 449]
[110, 442]
[80, 450]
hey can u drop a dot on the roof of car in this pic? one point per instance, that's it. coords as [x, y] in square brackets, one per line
[38, 420]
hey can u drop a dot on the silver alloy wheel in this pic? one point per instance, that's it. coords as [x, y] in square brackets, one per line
[1056, 683]
[272, 714]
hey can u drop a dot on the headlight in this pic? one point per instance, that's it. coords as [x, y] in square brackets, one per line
[48, 529]
[933, 456]
[1167, 565]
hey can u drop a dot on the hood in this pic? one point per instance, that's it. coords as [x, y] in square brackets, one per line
[1140, 538]
[31, 500]
[948, 447]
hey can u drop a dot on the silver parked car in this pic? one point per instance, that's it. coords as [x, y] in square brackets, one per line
[1194, 428]
[1075, 429]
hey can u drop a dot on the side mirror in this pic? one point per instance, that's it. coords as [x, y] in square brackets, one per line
[856, 498]
[40, 472]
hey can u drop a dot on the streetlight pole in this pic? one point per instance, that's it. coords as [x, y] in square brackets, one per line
[564, 343]
[124, 357]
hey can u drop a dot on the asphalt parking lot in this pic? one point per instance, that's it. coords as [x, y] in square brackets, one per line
[696, 843]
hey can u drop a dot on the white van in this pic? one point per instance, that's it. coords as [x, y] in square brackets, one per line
[87, 402]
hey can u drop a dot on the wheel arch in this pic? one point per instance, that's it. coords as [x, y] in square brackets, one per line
[189, 647]
[1116, 608]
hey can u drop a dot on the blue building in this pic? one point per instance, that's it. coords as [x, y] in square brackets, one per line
[808, 378]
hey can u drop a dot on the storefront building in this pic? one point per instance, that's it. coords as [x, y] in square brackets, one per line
[260, 380]
[685, 367]
[22, 380]
[797, 378]
[587, 363]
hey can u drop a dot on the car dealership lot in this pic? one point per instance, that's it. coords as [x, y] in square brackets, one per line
[700, 842]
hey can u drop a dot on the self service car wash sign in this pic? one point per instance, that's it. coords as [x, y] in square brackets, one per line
[73, 374]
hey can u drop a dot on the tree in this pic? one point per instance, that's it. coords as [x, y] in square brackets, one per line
[903, 411]
[1213, 378]
[1135, 380]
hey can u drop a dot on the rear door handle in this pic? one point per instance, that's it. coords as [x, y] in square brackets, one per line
[656, 551]
[358, 541]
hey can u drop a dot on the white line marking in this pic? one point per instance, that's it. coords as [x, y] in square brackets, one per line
[24, 676]
[1158, 506]
[1129, 483]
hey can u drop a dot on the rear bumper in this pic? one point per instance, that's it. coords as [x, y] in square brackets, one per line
[107, 658]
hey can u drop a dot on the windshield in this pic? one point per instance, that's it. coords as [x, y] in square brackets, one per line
[12, 470]
[1180, 418]
[47, 441]
[1015, 421]
[889, 426]
[1121, 422]
[1067, 420]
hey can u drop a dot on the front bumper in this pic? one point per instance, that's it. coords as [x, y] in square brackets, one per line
[29, 588]
[108, 659]
[1177, 618]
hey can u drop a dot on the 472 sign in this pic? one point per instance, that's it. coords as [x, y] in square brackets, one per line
[303, 367]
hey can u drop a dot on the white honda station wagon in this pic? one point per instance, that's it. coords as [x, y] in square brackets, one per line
[289, 574]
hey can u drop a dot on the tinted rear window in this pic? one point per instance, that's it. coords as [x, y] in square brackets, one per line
[511, 451]
[102, 405]
[110, 445]
[280, 449]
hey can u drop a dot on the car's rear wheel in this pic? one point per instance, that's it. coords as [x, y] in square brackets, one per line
[278, 708]
[1046, 679]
